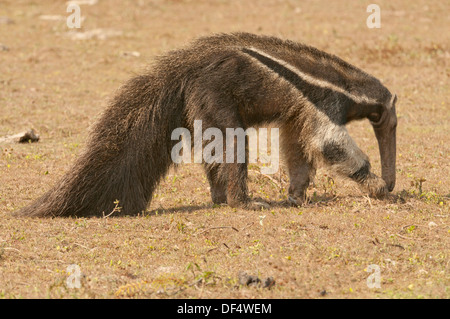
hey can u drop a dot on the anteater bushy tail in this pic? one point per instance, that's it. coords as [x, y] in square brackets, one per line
[127, 154]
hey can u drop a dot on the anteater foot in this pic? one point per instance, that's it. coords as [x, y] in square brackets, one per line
[376, 186]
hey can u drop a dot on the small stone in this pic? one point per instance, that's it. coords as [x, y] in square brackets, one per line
[6, 20]
[269, 282]
[432, 224]
[253, 281]
[247, 280]
[135, 54]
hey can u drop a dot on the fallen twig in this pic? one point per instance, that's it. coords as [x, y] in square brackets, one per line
[368, 199]
[218, 227]
[247, 226]
[24, 137]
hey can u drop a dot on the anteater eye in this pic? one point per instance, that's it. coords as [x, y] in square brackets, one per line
[374, 117]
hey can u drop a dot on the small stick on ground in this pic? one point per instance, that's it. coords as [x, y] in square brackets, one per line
[218, 227]
[24, 137]
[368, 199]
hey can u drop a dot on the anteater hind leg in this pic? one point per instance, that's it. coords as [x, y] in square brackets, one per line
[217, 183]
[228, 178]
[237, 178]
[341, 152]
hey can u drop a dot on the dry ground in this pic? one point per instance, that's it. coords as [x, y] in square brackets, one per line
[184, 247]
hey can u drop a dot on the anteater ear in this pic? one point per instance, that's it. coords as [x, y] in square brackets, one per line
[393, 101]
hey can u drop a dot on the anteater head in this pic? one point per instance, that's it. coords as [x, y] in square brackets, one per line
[384, 124]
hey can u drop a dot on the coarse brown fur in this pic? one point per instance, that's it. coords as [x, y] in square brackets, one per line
[227, 81]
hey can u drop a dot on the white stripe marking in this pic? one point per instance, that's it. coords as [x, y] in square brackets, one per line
[314, 81]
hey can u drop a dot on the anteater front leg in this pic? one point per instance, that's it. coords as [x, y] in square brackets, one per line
[299, 177]
[299, 169]
[340, 151]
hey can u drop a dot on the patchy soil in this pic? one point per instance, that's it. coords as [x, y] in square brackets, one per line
[184, 247]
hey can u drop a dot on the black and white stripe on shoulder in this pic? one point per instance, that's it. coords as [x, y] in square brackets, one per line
[305, 83]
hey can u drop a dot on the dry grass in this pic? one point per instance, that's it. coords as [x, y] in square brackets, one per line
[184, 247]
